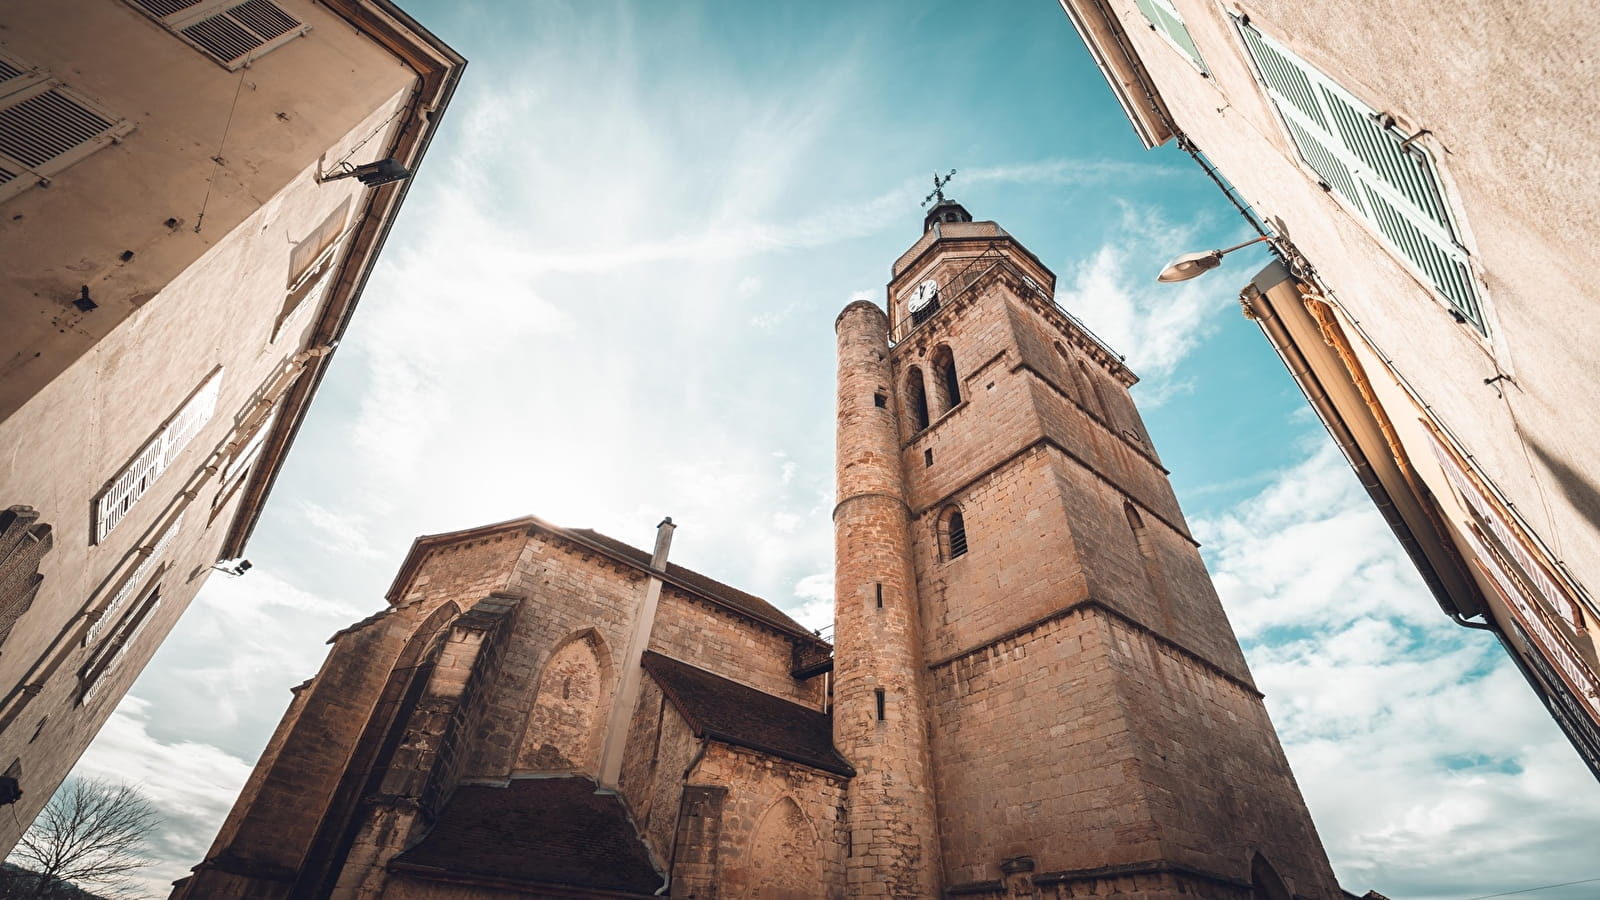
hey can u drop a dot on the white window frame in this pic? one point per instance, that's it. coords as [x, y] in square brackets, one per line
[205, 9]
[1389, 182]
[1163, 16]
[31, 83]
[135, 479]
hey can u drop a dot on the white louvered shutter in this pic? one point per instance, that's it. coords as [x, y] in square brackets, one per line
[131, 483]
[229, 31]
[131, 582]
[45, 127]
[1394, 188]
[1165, 20]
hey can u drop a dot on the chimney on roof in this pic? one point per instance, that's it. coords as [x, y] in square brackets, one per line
[628, 680]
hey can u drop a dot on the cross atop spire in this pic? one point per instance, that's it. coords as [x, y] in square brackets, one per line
[938, 188]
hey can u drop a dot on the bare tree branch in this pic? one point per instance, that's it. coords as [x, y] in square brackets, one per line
[92, 833]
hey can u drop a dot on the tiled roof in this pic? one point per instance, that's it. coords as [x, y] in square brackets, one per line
[750, 604]
[535, 832]
[732, 713]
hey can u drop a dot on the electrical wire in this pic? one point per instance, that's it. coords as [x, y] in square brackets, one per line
[381, 126]
[1545, 887]
[216, 161]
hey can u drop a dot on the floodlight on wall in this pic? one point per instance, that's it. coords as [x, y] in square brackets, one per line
[235, 567]
[372, 174]
[1191, 265]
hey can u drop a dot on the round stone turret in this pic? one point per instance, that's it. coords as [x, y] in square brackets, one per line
[879, 717]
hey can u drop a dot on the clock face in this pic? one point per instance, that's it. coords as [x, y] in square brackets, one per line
[923, 295]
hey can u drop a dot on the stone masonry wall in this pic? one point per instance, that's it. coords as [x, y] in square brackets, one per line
[1033, 755]
[730, 645]
[571, 593]
[660, 749]
[1008, 514]
[783, 834]
[1186, 719]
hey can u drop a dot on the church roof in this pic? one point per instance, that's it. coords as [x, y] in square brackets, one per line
[732, 598]
[749, 604]
[732, 713]
[535, 832]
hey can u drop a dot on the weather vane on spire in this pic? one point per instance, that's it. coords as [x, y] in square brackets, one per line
[938, 188]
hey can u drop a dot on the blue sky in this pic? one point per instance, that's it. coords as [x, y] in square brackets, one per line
[610, 298]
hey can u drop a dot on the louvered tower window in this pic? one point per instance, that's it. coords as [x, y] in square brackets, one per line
[1165, 21]
[954, 535]
[45, 126]
[231, 32]
[1388, 181]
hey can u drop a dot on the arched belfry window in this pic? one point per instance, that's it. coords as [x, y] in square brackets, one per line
[1091, 392]
[952, 533]
[916, 400]
[1264, 881]
[946, 382]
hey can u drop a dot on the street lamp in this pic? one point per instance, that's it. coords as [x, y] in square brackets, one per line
[1191, 265]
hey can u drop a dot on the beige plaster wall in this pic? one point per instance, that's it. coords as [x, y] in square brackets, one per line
[1505, 94]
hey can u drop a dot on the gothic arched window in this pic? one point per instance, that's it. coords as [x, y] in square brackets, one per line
[1264, 881]
[1091, 390]
[916, 400]
[945, 379]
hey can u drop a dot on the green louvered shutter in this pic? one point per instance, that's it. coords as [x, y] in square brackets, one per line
[1393, 187]
[1165, 20]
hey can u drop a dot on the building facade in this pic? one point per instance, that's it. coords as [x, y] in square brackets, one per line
[1433, 219]
[1033, 690]
[178, 258]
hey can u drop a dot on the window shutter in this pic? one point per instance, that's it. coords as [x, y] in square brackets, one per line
[1394, 188]
[45, 127]
[231, 32]
[131, 483]
[93, 675]
[1164, 16]
[307, 254]
[131, 582]
[9, 71]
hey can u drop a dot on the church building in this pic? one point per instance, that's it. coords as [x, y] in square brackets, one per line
[1032, 689]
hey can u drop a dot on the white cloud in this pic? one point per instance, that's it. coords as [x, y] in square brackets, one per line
[191, 784]
[1156, 325]
[1431, 769]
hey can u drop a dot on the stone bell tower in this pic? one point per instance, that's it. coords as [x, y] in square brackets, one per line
[1034, 678]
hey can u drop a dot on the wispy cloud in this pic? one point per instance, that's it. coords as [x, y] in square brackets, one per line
[1156, 325]
[191, 784]
[1416, 742]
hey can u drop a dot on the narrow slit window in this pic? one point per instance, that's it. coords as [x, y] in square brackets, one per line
[879, 587]
[880, 704]
[880, 401]
[927, 457]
